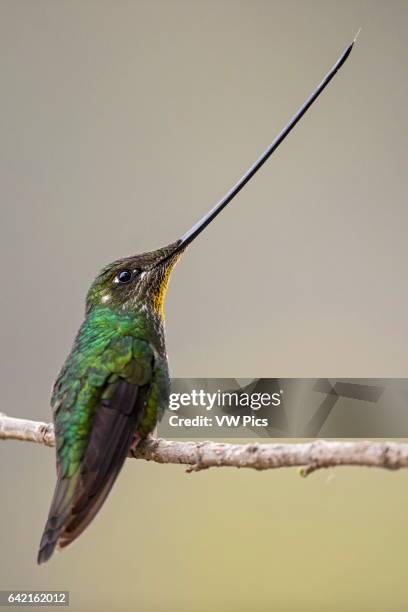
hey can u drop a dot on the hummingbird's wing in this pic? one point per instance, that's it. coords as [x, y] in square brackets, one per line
[94, 434]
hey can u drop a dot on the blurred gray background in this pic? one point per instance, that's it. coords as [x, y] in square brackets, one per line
[121, 123]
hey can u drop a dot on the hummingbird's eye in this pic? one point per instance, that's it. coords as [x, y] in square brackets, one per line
[123, 277]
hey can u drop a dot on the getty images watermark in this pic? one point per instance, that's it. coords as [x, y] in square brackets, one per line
[286, 407]
[224, 400]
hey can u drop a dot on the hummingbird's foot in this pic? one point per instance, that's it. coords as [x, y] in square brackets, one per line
[150, 437]
[135, 442]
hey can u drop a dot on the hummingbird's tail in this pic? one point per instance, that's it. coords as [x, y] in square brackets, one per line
[78, 498]
[71, 513]
[59, 511]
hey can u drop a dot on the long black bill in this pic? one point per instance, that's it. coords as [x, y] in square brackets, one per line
[200, 225]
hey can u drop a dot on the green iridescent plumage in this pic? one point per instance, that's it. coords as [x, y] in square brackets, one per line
[109, 345]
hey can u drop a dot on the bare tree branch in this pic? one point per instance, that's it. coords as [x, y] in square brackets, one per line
[310, 456]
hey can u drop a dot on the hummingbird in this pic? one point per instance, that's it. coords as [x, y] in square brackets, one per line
[114, 385]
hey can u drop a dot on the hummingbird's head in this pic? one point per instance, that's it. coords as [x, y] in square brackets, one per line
[132, 282]
[141, 280]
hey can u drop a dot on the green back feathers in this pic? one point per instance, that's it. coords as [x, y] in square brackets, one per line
[109, 345]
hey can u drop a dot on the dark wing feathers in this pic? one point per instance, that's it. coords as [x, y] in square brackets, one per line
[112, 435]
[78, 498]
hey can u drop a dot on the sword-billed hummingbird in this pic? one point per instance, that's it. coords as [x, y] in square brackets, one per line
[114, 385]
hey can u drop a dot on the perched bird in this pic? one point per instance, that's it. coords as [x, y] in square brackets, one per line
[114, 385]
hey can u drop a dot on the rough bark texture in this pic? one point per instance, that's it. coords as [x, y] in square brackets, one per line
[310, 456]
